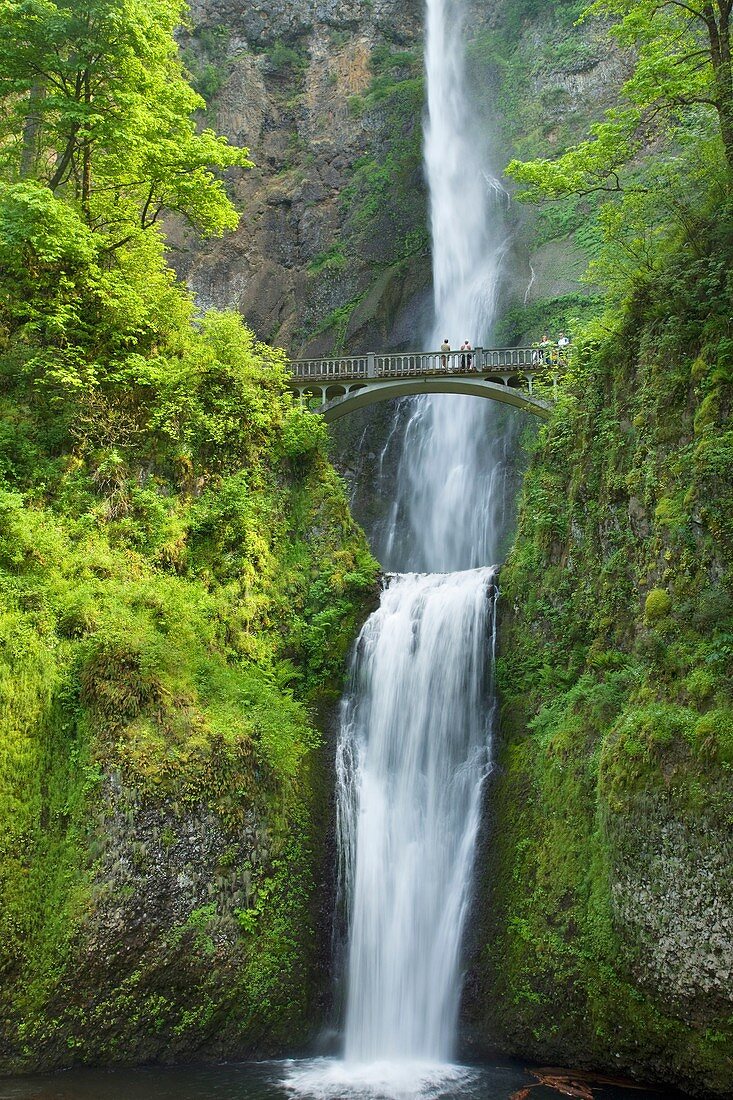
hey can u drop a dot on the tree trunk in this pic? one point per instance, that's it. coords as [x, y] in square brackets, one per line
[31, 130]
[63, 162]
[86, 171]
[720, 54]
[724, 79]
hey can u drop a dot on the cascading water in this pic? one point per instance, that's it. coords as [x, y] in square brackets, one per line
[412, 755]
[450, 498]
[464, 194]
[415, 737]
[414, 745]
[416, 726]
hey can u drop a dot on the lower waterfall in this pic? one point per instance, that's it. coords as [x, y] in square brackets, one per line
[413, 753]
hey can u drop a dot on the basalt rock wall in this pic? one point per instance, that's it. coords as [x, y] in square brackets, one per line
[328, 97]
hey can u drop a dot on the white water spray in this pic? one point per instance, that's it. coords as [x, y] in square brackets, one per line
[466, 198]
[412, 755]
[450, 501]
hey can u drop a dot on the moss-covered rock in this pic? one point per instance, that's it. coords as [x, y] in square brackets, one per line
[174, 623]
[608, 915]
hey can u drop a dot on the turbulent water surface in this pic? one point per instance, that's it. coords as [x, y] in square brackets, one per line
[266, 1081]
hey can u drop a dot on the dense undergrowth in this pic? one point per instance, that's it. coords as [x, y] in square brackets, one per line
[181, 580]
[608, 938]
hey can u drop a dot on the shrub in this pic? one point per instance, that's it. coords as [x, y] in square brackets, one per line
[303, 433]
[658, 604]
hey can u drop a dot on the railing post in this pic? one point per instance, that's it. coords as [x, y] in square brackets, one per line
[371, 365]
[479, 363]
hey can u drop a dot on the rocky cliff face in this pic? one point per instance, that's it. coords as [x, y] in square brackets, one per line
[328, 97]
[332, 252]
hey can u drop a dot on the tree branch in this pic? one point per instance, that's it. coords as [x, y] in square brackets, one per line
[685, 7]
[65, 161]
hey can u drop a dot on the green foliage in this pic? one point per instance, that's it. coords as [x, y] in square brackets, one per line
[208, 81]
[681, 82]
[549, 315]
[615, 678]
[333, 259]
[165, 624]
[303, 433]
[205, 59]
[283, 59]
[98, 109]
[180, 579]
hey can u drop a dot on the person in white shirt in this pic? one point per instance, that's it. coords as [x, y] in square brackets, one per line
[546, 346]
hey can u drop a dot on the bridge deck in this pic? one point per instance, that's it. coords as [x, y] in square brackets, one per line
[373, 366]
[508, 375]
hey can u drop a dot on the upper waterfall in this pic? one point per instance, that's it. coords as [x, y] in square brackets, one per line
[451, 500]
[466, 197]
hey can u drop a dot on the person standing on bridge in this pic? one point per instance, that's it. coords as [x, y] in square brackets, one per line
[466, 357]
[445, 349]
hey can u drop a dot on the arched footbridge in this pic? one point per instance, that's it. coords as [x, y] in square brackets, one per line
[523, 377]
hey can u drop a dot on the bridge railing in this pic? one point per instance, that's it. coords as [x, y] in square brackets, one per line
[500, 358]
[349, 366]
[402, 364]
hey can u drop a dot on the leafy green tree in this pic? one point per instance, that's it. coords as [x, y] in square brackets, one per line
[681, 87]
[95, 105]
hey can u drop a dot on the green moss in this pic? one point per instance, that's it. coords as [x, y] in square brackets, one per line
[616, 705]
[334, 259]
[180, 582]
[185, 687]
[658, 602]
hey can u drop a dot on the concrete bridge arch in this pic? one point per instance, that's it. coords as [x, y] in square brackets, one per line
[510, 376]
